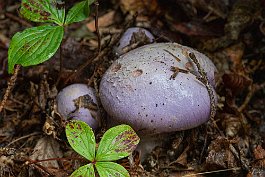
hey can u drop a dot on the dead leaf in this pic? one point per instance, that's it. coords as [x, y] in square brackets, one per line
[47, 148]
[259, 154]
[182, 159]
[138, 6]
[49, 127]
[103, 21]
[219, 155]
[235, 54]
[193, 28]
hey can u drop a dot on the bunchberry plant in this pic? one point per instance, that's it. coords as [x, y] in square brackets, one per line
[117, 142]
[38, 44]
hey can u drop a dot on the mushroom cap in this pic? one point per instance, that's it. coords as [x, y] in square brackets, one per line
[78, 101]
[138, 89]
[132, 35]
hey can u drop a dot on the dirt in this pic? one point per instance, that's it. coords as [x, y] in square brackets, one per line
[230, 32]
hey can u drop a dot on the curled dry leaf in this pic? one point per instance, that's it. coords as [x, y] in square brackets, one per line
[232, 124]
[236, 82]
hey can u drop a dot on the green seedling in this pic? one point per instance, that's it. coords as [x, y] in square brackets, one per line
[117, 142]
[38, 44]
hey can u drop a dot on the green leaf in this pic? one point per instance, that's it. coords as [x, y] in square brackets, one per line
[81, 138]
[42, 11]
[34, 45]
[84, 171]
[78, 12]
[116, 143]
[110, 169]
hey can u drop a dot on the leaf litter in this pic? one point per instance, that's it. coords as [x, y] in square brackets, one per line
[230, 32]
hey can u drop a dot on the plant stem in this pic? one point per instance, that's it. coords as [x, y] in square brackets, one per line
[30, 161]
[61, 66]
[10, 86]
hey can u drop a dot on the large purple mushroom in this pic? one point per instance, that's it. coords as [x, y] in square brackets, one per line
[154, 89]
[132, 38]
[78, 101]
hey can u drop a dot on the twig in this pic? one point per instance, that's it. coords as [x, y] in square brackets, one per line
[98, 57]
[215, 171]
[41, 168]
[5, 40]
[96, 26]
[102, 53]
[204, 79]
[10, 86]
[15, 18]
[251, 91]
[236, 154]
[61, 66]
[204, 147]
[23, 137]
[30, 161]
[88, 62]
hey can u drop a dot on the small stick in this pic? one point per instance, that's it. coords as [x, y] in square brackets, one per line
[96, 26]
[30, 161]
[204, 79]
[10, 86]
[20, 20]
[61, 66]
[103, 52]
[215, 171]
[23, 137]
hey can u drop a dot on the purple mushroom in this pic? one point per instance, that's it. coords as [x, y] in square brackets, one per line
[132, 38]
[78, 101]
[154, 89]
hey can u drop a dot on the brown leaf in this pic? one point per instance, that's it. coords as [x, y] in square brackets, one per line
[235, 54]
[219, 155]
[139, 6]
[182, 159]
[103, 21]
[47, 148]
[237, 83]
[232, 124]
[259, 154]
[194, 28]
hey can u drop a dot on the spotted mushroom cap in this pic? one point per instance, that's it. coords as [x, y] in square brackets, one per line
[141, 89]
[78, 101]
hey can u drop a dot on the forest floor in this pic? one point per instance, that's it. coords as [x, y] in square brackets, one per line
[230, 32]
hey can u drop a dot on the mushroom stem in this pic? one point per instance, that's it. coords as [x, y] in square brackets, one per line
[149, 142]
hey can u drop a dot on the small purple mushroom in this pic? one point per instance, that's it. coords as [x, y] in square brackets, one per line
[78, 101]
[154, 89]
[132, 38]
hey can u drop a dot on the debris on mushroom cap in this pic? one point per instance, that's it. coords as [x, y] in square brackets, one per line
[154, 88]
[78, 101]
[132, 38]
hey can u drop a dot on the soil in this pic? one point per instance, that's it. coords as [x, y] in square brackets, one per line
[230, 32]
